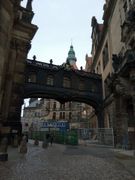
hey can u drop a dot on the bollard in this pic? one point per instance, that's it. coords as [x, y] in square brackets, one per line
[36, 142]
[15, 141]
[3, 149]
[44, 144]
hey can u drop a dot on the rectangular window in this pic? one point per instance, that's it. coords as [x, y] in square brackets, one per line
[105, 56]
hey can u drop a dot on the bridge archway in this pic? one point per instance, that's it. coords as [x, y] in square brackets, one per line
[55, 82]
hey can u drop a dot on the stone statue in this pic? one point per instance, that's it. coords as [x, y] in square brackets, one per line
[117, 60]
[3, 149]
[122, 86]
[93, 21]
[29, 5]
[23, 145]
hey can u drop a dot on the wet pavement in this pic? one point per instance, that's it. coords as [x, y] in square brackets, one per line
[61, 162]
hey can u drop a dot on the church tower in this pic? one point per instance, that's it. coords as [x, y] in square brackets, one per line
[71, 59]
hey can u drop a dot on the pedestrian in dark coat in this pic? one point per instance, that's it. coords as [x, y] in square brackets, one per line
[51, 139]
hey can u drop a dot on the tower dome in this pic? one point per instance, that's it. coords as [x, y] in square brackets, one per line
[71, 56]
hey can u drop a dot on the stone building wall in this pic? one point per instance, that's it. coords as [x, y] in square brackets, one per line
[16, 33]
[6, 23]
[114, 52]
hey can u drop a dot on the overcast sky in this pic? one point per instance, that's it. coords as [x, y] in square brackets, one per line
[60, 22]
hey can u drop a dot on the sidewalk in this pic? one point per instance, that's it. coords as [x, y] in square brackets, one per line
[125, 157]
[120, 151]
[125, 152]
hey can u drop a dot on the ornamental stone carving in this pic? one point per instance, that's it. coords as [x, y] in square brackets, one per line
[121, 87]
[117, 60]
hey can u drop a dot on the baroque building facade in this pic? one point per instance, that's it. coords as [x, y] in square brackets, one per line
[16, 33]
[40, 111]
[113, 56]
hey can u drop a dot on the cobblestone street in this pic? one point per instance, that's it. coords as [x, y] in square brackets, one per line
[61, 162]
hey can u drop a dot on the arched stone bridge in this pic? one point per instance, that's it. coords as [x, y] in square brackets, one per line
[57, 82]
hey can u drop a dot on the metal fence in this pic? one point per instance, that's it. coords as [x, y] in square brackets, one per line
[102, 136]
[68, 137]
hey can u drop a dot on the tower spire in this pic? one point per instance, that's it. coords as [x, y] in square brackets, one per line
[71, 42]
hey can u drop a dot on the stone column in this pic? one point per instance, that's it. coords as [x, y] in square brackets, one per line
[17, 33]
[15, 83]
[133, 100]
[6, 24]
[133, 142]
[100, 117]
[3, 149]
[121, 121]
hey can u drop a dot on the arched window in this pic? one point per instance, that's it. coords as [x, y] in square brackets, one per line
[50, 80]
[66, 82]
[93, 88]
[81, 85]
[32, 78]
[105, 56]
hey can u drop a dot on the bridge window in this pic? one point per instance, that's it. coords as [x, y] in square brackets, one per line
[32, 78]
[66, 82]
[93, 88]
[81, 86]
[50, 80]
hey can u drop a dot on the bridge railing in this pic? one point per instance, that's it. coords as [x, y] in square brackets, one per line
[57, 67]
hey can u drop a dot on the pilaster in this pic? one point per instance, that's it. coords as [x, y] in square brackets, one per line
[22, 33]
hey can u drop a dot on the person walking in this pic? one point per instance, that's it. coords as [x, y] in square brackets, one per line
[51, 139]
[47, 138]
